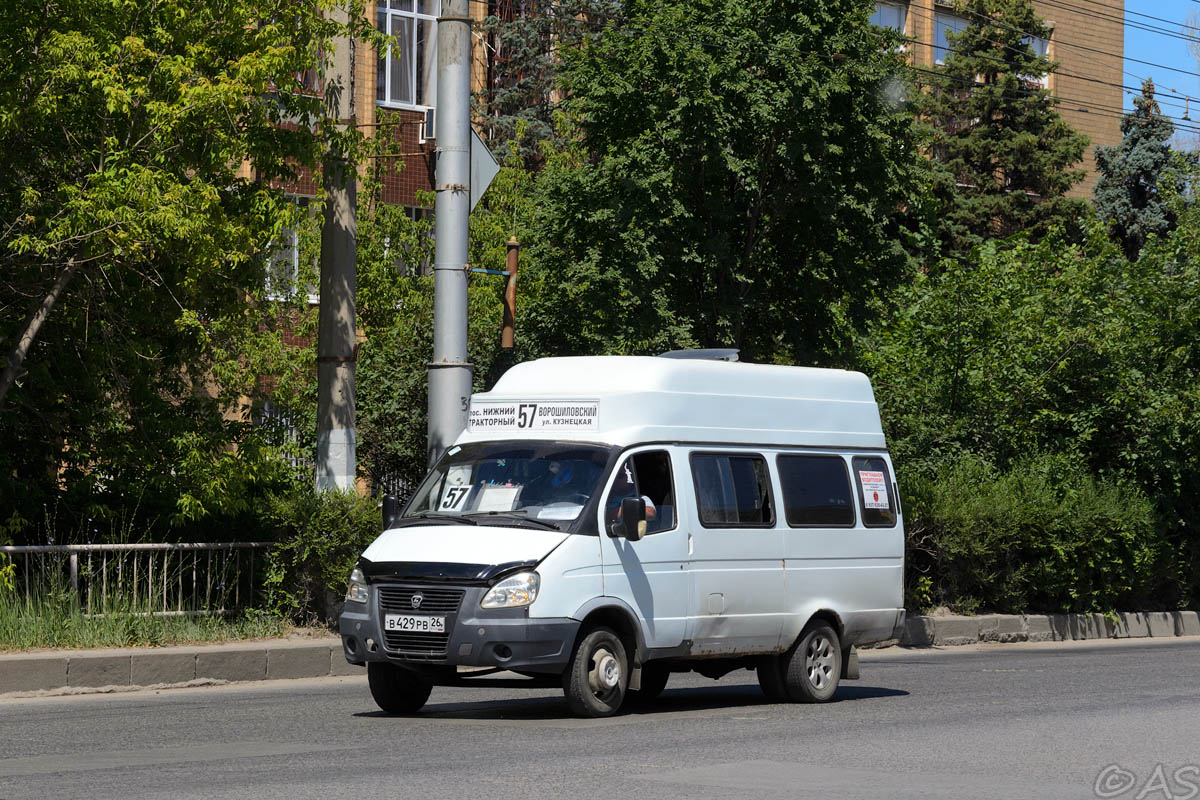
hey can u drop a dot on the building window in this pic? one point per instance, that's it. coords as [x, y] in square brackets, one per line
[1041, 49]
[890, 15]
[285, 278]
[309, 81]
[407, 74]
[411, 253]
[943, 24]
[281, 430]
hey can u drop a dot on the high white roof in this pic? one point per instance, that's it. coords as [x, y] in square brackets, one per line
[633, 399]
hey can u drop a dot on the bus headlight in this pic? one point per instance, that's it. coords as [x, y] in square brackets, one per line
[356, 590]
[514, 591]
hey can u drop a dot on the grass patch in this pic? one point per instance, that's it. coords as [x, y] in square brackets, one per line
[55, 622]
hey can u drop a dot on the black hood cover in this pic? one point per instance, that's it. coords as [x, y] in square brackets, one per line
[437, 571]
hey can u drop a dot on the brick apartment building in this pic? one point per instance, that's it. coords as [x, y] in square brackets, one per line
[1087, 40]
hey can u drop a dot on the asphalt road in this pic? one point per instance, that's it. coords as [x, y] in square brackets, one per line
[991, 721]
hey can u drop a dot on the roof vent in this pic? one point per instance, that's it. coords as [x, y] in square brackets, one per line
[711, 354]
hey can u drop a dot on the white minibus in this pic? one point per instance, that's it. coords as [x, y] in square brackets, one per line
[605, 521]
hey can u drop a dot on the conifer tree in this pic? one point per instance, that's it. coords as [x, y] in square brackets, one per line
[527, 39]
[1003, 157]
[1136, 178]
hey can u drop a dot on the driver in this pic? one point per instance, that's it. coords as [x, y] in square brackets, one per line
[626, 485]
[559, 482]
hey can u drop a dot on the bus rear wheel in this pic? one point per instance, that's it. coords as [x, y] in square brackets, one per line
[813, 667]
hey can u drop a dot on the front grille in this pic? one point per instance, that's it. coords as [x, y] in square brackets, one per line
[413, 645]
[398, 600]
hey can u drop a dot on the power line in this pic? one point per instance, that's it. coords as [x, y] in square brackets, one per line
[1066, 43]
[1144, 26]
[1176, 119]
[1124, 10]
[1152, 29]
[1127, 89]
[1061, 73]
[1062, 97]
[1085, 106]
[1185, 26]
[1013, 49]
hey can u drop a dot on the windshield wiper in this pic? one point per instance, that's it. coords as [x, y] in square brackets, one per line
[417, 519]
[510, 516]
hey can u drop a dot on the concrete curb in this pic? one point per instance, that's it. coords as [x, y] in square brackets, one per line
[143, 666]
[922, 631]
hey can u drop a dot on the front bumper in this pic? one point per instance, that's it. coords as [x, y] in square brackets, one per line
[501, 638]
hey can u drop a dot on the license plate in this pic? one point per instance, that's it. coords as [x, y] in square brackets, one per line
[410, 622]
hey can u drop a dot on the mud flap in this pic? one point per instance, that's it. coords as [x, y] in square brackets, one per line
[850, 664]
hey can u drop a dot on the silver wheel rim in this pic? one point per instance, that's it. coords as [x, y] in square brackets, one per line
[818, 662]
[605, 673]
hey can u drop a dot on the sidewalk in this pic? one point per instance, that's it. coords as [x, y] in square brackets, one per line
[270, 659]
[275, 659]
[954, 630]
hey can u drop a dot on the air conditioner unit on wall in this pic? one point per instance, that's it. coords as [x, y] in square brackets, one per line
[428, 131]
[944, 3]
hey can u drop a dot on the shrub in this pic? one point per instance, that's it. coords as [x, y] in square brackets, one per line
[1042, 536]
[319, 536]
[8, 569]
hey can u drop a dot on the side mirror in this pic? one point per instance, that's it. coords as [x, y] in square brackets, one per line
[391, 510]
[633, 518]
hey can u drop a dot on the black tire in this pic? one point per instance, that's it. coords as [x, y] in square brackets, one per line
[770, 678]
[813, 667]
[397, 690]
[654, 680]
[597, 675]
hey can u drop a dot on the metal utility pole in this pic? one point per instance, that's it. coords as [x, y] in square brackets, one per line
[337, 348]
[449, 373]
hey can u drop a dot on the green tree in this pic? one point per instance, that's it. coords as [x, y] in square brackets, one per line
[1067, 362]
[731, 176]
[1003, 157]
[132, 243]
[1137, 177]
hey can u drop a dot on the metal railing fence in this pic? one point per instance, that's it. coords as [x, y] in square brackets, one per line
[153, 579]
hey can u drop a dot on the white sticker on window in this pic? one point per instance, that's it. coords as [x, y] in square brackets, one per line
[874, 489]
[498, 498]
[560, 511]
[548, 415]
[456, 488]
[453, 498]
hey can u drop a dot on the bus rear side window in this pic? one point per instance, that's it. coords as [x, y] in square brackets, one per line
[816, 491]
[875, 492]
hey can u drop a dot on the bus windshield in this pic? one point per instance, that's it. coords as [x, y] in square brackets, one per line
[545, 481]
